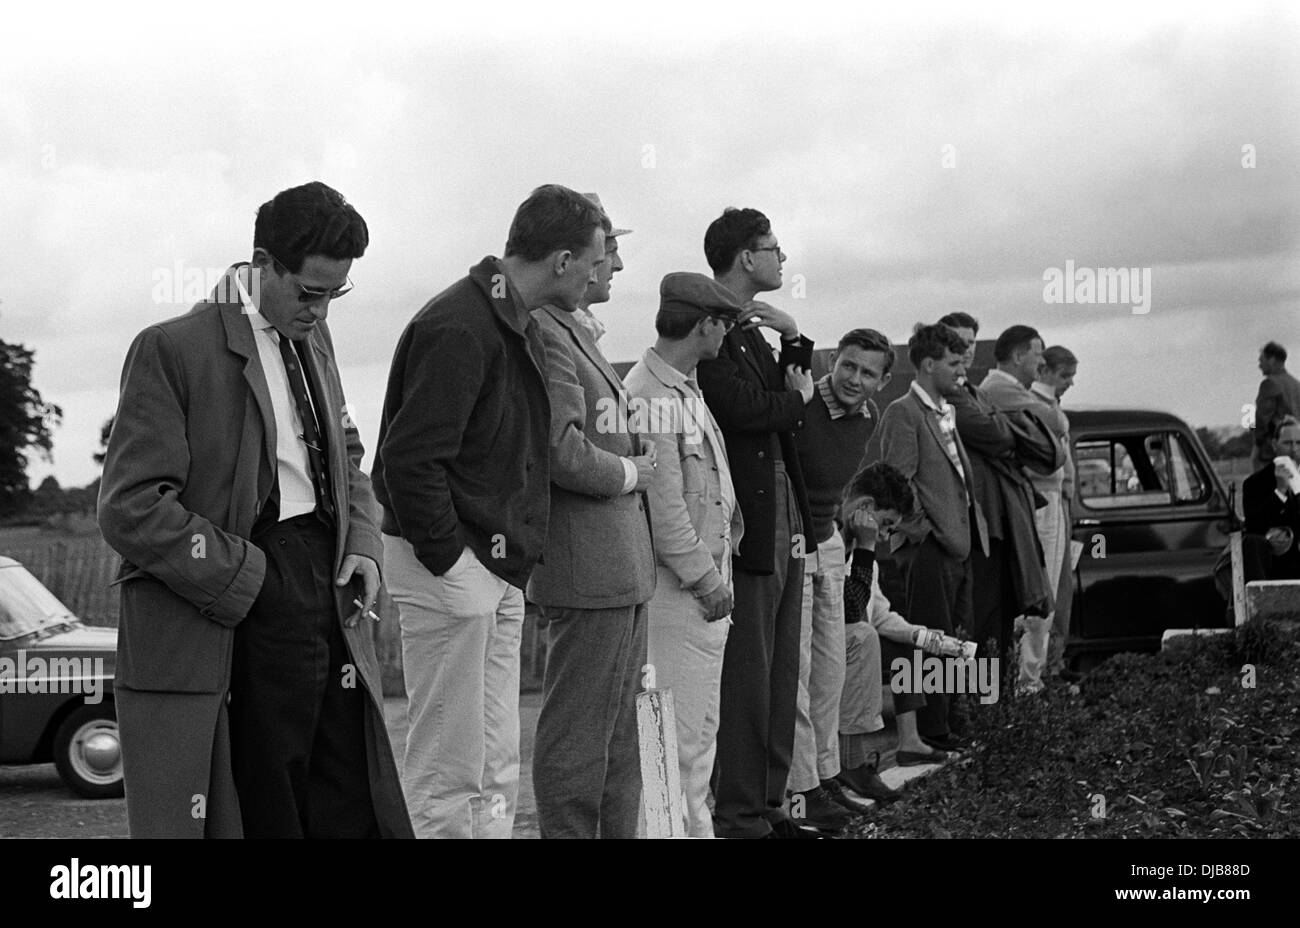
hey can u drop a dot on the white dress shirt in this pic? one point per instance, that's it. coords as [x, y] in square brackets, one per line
[293, 469]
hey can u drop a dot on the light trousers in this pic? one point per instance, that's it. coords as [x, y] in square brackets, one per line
[686, 653]
[863, 700]
[1049, 521]
[821, 668]
[460, 657]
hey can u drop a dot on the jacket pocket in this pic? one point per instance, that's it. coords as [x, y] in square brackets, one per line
[165, 645]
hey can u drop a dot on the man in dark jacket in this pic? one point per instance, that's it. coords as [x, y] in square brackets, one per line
[758, 401]
[1009, 580]
[462, 473]
[1272, 510]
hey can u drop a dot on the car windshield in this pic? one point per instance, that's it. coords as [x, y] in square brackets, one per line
[26, 606]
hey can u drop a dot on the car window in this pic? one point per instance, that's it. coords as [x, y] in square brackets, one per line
[1127, 471]
[26, 606]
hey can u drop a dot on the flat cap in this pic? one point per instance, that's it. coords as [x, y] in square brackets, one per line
[613, 233]
[686, 291]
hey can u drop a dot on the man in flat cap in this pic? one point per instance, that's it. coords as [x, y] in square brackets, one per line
[697, 524]
[593, 583]
[759, 401]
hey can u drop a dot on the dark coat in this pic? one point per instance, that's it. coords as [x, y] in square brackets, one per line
[462, 456]
[1003, 490]
[745, 390]
[1263, 511]
[192, 443]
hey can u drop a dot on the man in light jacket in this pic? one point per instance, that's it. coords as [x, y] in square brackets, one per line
[697, 524]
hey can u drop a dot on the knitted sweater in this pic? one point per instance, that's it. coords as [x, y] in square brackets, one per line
[830, 451]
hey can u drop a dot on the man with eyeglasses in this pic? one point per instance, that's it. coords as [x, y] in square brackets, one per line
[248, 693]
[759, 400]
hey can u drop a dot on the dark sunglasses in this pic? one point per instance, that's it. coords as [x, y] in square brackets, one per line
[311, 294]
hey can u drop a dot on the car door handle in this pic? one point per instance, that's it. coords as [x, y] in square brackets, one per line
[1087, 522]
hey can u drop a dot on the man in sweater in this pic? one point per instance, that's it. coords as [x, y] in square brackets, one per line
[1279, 395]
[838, 422]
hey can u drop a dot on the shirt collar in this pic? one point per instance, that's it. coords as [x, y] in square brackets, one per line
[998, 373]
[255, 317]
[942, 407]
[1046, 391]
[668, 375]
[837, 409]
[595, 328]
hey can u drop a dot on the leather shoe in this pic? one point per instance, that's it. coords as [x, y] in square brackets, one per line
[818, 810]
[786, 828]
[866, 782]
[917, 758]
[948, 742]
[836, 792]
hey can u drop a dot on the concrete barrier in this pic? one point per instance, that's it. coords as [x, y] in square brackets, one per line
[1273, 599]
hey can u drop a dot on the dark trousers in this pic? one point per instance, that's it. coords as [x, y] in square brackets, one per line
[587, 759]
[297, 707]
[760, 685]
[938, 596]
[993, 591]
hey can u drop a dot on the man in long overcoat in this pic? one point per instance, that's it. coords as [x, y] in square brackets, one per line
[247, 688]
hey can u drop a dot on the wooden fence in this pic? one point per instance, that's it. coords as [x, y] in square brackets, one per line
[78, 570]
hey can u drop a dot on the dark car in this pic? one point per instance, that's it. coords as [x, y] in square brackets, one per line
[56, 687]
[1152, 518]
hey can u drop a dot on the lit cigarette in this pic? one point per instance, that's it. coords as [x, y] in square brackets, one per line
[369, 614]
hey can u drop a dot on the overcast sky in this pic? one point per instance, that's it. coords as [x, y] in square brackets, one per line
[912, 163]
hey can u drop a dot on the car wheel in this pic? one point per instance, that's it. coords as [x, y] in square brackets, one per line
[88, 752]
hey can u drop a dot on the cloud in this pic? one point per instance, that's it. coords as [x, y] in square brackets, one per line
[1107, 140]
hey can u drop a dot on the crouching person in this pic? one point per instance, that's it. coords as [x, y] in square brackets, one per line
[696, 523]
[875, 501]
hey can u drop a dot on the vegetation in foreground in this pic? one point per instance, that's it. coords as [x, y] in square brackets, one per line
[1199, 741]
